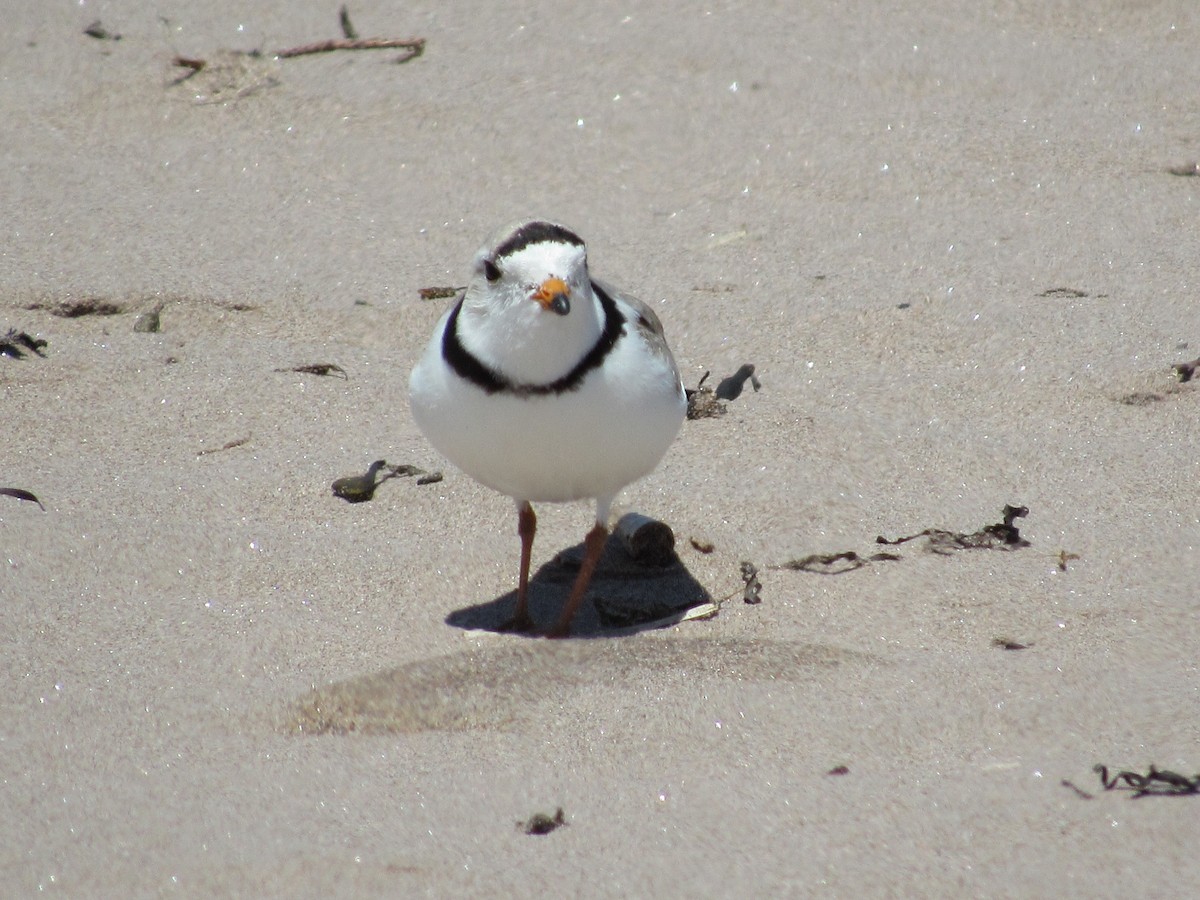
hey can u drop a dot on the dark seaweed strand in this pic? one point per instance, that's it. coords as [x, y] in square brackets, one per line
[536, 233]
[468, 366]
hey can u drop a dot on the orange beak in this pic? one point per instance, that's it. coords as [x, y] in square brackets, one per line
[554, 295]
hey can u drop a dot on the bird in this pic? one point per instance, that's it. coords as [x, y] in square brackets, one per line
[550, 386]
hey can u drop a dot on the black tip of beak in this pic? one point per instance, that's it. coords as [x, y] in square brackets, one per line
[561, 304]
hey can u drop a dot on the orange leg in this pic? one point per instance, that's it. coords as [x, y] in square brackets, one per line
[526, 528]
[593, 546]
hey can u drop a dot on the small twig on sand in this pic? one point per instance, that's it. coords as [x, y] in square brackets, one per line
[349, 41]
[415, 46]
[240, 442]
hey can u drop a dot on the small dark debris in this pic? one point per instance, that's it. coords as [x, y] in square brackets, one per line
[1008, 644]
[839, 770]
[74, 309]
[100, 33]
[348, 30]
[15, 343]
[150, 321]
[702, 546]
[322, 369]
[540, 823]
[821, 562]
[22, 495]
[1186, 371]
[702, 402]
[1001, 536]
[903, 306]
[1064, 557]
[188, 62]
[1157, 782]
[439, 293]
[731, 388]
[752, 592]
[1191, 169]
[1141, 398]
[1072, 293]
[1079, 792]
[228, 446]
[431, 478]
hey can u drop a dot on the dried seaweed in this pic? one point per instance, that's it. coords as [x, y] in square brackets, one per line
[1001, 536]
[835, 563]
[361, 488]
[1155, 783]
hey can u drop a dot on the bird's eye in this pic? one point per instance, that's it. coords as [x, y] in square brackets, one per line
[490, 270]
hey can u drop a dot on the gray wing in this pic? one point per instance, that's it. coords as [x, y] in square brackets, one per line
[643, 318]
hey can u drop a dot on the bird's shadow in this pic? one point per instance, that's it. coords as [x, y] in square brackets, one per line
[624, 597]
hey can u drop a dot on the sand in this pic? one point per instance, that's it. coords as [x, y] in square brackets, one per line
[944, 232]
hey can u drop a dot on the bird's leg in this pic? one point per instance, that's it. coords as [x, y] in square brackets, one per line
[593, 546]
[526, 528]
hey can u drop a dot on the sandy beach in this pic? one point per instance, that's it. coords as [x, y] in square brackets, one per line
[956, 240]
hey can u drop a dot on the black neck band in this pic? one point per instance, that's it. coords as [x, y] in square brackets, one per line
[467, 366]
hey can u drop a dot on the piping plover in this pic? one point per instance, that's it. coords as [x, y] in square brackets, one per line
[548, 386]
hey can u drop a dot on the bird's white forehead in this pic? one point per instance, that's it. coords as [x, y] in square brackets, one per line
[543, 259]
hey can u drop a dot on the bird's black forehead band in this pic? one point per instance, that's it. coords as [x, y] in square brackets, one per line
[536, 233]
